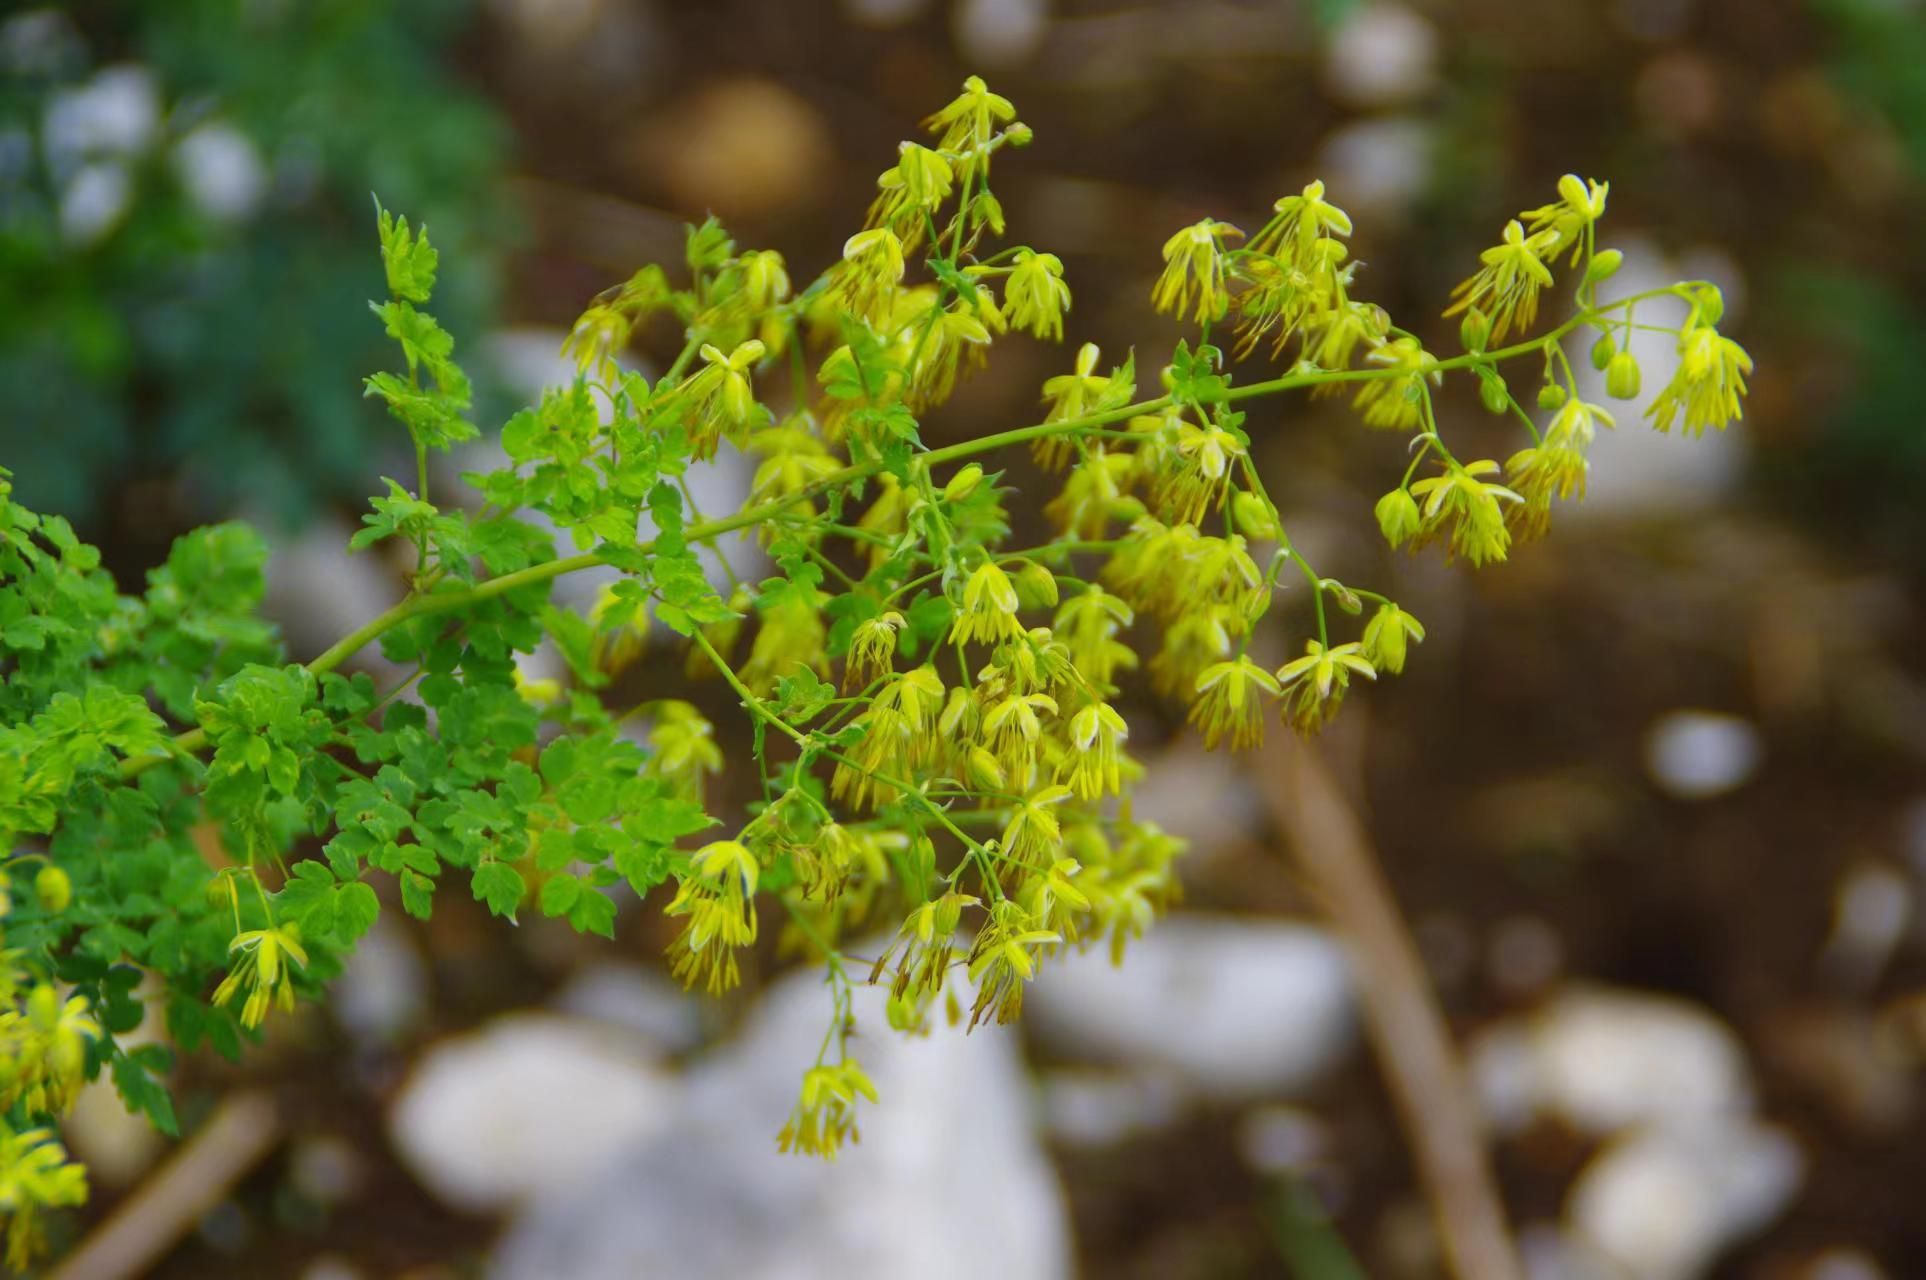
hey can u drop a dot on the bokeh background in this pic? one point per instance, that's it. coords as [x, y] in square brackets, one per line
[1652, 797]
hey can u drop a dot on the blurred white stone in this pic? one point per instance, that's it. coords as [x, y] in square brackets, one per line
[383, 985]
[1375, 169]
[1696, 755]
[1188, 793]
[326, 1168]
[1636, 470]
[999, 33]
[948, 1183]
[530, 1105]
[115, 114]
[317, 588]
[1664, 1202]
[1872, 908]
[1548, 1252]
[1274, 1140]
[1382, 54]
[1103, 1108]
[637, 999]
[1601, 1060]
[1233, 1008]
[221, 171]
[93, 203]
[115, 1144]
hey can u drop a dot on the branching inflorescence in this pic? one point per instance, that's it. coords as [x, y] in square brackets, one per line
[961, 787]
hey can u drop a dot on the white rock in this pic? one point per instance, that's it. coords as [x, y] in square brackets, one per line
[1695, 755]
[1602, 1060]
[1103, 1108]
[221, 171]
[1378, 168]
[532, 1104]
[637, 999]
[948, 1182]
[1382, 54]
[383, 986]
[1664, 1202]
[1233, 1008]
[999, 33]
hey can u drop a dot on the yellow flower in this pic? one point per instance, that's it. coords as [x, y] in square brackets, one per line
[717, 900]
[1095, 735]
[1467, 509]
[1506, 287]
[1316, 682]
[917, 184]
[1299, 221]
[1003, 958]
[871, 268]
[1070, 396]
[1036, 294]
[1708, 385]
[1094, 493]
[1579, 205]
[1227, 702]
[1398, 517]
[1397, 403]
[268, 959]
[684, 749]
[825, 1114]
[1033, 830]
[989, 611]
[1196, 472]
[1387, 637]
[872, 647]
[1193, 278]
[721, 396]
[969, 121]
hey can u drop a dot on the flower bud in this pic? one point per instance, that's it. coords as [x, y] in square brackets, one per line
[1036, 586]
[1345, 598]
[1398, 518]
[1475, 330]
[1603, 350]
[1491, 390]
[1551, 396]
[1604, 265]
[1019, 134]
[1711, 303]
[53, 889]
[1622, 377]
[1253, 518]
[963, 483]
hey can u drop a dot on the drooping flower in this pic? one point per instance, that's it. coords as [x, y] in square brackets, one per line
[1036, 294]
[1314, 684]
[1708, 385]
[1229, 702]
[1506, 287]
[1387, 637]
[1194, 271]
[268, 959]
[989, 611]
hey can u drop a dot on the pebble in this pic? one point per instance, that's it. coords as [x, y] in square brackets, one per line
[530, 1105]
[1664, 1201]
[1232, 1008]
[1601, 1060]
[1697, 755]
